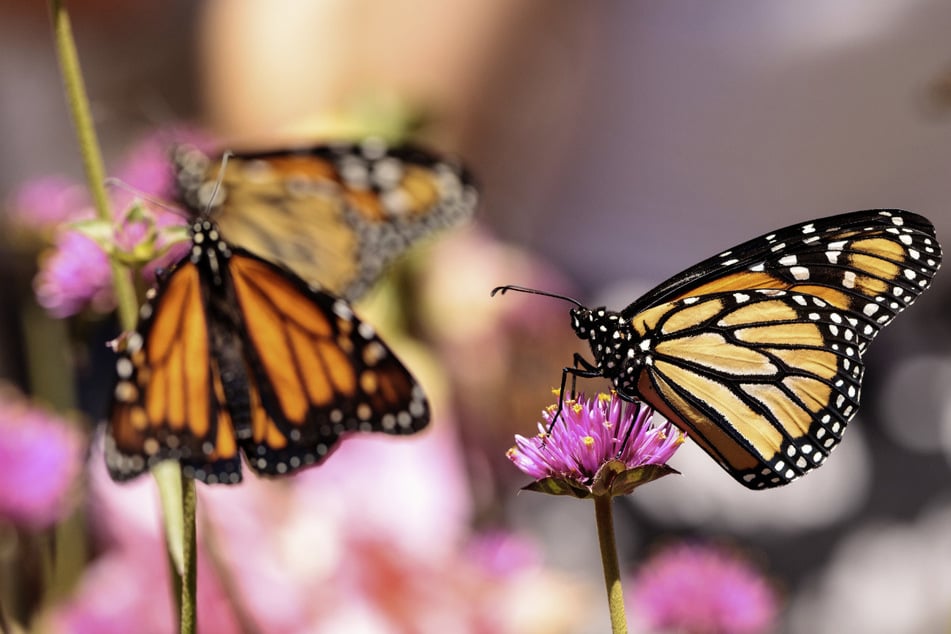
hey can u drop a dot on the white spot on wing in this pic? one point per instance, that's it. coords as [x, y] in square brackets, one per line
[799, 272]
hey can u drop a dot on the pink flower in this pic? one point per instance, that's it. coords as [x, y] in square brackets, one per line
[375, 540]
[590, 434]
[704, 590]
[42, 458]
[75, 275]
[128, 590]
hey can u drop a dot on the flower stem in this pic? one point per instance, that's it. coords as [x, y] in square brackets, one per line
[179, 501]
[78, 103]
[189, 554]
[178, 508]
[609, 561]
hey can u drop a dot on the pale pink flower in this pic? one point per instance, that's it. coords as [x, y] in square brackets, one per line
[42, 457]
[701, 589]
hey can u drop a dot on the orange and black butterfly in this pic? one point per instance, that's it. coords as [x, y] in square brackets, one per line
[237, 354]
[756, 353]
[337, 215]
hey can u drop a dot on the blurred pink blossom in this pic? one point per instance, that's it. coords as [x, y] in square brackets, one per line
[73, 276]
[76, 275]
[701, 589]
[42, 458]
[128, 590]
[376, 540]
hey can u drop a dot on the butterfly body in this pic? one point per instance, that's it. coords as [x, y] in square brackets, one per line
[756, 353]
[237, 355]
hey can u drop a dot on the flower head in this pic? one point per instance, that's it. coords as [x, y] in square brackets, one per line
[41, 456]
[602, 445]
[696, 588]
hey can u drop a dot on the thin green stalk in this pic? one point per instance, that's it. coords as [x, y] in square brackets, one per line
[609, 561]
[189, 554]
[78, 104]
[178, 508]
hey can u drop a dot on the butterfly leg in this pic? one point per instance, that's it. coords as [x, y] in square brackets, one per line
[630, 398]
[587, 371]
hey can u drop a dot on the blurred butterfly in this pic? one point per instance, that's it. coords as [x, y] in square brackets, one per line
[756, 353]
[337, 215]
[236, 354]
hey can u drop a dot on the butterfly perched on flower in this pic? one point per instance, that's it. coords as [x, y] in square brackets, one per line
[237, 353]
[337, 214]
[756, 353]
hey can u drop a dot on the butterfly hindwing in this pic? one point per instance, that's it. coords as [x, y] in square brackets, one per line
[764, 381]
[316, 370]
[337, 214]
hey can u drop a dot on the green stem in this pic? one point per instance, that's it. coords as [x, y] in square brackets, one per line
[179, 502]
[609, 561]
[190, 553]
[178, 509]
[78, 103]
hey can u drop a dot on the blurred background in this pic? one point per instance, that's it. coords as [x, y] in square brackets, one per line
[615, 144]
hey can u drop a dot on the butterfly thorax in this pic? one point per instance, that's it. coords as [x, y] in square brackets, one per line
[610, 338]
[209, 251]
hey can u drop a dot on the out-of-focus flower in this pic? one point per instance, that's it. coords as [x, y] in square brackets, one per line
[376, 540]
[107, 602]
[602, 445]
[42, 456]
[702, 589]
[75, 274]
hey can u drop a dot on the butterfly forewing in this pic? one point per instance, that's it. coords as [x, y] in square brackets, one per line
[168, 401]
[337, 215]
[764, 381]
[868, 263]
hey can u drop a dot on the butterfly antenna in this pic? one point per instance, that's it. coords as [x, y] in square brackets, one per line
[117, 183]
[218, 181]
[522, 289]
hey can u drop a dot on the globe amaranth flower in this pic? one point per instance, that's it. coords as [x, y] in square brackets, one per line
[42, 457]
[598, 446]
[695, 588]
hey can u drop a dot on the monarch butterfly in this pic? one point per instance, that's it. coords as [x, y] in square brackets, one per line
[235, 353]
[756, 353]
[337, 215]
